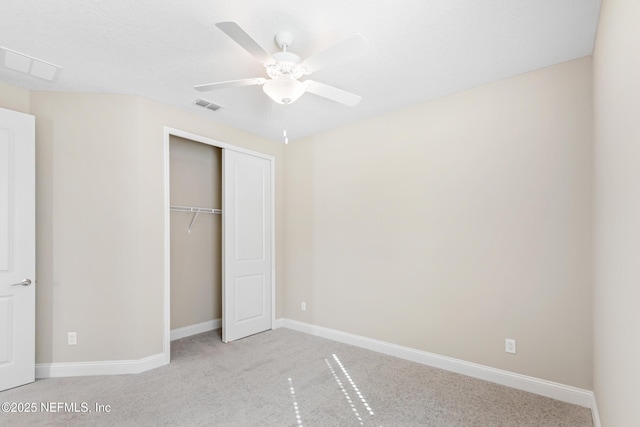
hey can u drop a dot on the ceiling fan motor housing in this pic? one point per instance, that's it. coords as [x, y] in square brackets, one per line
[287, 64]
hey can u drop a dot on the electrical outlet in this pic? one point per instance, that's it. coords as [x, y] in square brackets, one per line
[303, 306]
[510, 345]
[72, 338]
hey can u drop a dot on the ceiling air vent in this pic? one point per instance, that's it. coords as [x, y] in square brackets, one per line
[207, 104]
[28, 64]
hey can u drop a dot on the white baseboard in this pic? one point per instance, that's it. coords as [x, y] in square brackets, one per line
[119, 367]
[111, 367]
[198, 328]
[565, 393]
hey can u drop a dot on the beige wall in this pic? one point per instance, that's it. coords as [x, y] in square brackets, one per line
[196, 256]
[86, 222]
[617, 153]
[454, 224]
[100, 206]
[14, 98]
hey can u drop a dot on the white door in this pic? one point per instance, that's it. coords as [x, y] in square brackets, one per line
[17, 249]
[247, 282]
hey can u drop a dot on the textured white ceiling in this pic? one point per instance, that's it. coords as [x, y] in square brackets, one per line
[419, 50]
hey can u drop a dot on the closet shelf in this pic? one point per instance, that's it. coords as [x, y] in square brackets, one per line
[195, 211]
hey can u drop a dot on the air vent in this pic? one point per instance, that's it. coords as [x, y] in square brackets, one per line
[28, 64]
[207, 104]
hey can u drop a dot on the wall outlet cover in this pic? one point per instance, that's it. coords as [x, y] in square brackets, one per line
[510, 345]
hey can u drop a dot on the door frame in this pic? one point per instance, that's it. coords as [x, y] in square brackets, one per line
[166, 303]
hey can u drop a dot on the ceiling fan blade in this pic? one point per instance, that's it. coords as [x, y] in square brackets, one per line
[332, 93]
[231, 83]
[247, 42]
[337, 53]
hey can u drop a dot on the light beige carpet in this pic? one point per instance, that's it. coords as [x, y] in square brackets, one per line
[287, 378]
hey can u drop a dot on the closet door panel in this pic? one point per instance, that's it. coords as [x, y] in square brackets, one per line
[247, 288]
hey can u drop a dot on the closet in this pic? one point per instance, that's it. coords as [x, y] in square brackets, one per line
[219, 238]
[196, 236]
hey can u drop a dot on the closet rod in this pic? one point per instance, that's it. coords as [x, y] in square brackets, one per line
[195, 209]
[195, 212]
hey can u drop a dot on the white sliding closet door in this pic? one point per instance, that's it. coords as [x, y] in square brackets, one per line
[247, 263]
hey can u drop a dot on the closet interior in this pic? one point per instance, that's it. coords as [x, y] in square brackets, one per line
[196, 236]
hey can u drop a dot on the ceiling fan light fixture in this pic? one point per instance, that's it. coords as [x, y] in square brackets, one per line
[284, 90]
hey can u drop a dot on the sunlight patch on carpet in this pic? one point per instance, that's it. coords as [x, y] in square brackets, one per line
[345, 392]
[292, 391]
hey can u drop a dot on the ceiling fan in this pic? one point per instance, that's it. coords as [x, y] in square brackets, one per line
[284, 69]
